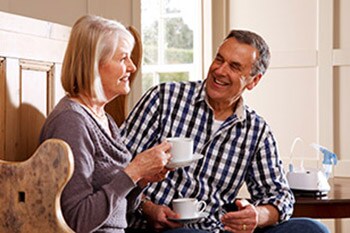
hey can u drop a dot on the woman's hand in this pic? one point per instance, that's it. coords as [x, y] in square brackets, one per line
[157, 177]
[150, 164]
[157, 216]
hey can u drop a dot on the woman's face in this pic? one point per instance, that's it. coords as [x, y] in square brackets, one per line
[116, 72]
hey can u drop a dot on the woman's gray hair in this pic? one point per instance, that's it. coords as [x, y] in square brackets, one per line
[93, 41]
[250, 38]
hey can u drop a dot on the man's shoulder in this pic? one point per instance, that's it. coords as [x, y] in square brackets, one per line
[171, 88]
[181, 84]
[253, 115]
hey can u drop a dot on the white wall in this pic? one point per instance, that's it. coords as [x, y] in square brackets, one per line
[305, 92]
[287, 94]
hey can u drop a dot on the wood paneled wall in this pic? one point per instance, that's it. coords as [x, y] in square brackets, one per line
[30, 62]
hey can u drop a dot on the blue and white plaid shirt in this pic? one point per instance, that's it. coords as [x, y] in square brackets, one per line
[242, 150]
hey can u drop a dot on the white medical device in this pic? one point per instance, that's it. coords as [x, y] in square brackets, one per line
[311, 181]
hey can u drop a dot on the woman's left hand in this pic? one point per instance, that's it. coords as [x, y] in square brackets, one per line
[149, 163]
[157, 177]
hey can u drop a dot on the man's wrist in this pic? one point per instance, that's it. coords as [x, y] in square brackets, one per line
[140, 209]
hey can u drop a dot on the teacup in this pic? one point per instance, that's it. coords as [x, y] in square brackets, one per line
[182, 149]
[188, 207]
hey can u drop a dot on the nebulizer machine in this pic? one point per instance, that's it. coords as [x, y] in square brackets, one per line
[311, 181]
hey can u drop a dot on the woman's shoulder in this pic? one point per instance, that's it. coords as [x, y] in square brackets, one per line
[67, 118]
[67, 112]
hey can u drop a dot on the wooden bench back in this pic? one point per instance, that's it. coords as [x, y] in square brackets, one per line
[30, 190]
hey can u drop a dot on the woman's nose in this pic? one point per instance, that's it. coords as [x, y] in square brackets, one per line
[131, 66]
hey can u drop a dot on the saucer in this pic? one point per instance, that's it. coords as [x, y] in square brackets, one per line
[185, 163]
[190, 220]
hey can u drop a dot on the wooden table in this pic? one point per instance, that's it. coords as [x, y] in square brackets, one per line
[335, 205]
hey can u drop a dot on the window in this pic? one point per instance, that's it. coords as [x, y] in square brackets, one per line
[172, 41]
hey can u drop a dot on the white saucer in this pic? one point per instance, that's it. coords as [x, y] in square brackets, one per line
[185, 163]
[190, 220]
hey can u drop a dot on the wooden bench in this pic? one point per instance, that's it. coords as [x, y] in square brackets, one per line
[30, 190]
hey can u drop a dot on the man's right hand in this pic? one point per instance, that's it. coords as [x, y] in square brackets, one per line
[157, 216]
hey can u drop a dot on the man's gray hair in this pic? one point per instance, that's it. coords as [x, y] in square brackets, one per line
[256, 41]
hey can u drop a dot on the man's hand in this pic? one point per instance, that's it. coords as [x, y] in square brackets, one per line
[157, 216]
[248, 217]
[243, 220]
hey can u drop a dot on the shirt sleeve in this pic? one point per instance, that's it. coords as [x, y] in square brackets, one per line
[134, 199]
[84, 208]
[141, 130]
[266, 180]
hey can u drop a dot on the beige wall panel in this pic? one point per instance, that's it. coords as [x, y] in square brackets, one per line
[14, 23]
[4, 5]
[120, 10]
[12, 105]
[330, 223]
[286, 98]
[341, 57]
[30, 81]
[295, 21]
[341, 117]
[2, 106]
[341, 90]
[27, 103]
[342, 225]
[341, 26]
[64, 11]
[293, 58]
[290, 86]
[34, 91]
[58, 89]
[342, 111]
[12, 45]
[33, 110]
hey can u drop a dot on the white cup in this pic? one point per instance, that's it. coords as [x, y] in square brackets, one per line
[188, 207]
[182, 149]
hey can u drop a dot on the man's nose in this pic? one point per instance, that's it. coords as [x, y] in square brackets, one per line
[222, 68]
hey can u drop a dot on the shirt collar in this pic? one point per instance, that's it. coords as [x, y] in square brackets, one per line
[201, 93]
[240, 109]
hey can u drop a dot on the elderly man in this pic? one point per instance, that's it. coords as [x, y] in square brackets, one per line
[237, 144]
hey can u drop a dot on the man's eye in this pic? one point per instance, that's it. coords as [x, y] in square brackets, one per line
[219, 59]
[234, 68]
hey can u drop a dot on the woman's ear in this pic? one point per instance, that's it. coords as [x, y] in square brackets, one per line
[254, 81]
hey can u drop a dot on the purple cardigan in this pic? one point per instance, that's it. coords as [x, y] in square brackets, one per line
[98, 195]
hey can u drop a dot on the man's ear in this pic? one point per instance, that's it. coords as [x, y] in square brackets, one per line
[254, 81]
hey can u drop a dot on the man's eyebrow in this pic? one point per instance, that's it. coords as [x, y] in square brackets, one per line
[218, 55]
[236, 65]
[233, 64]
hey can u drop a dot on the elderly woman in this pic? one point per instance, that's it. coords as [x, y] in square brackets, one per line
[105, 182]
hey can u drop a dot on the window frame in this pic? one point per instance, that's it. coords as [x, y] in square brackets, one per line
[210, 39]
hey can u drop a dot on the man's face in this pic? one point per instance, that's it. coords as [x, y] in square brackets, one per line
[229, 73]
